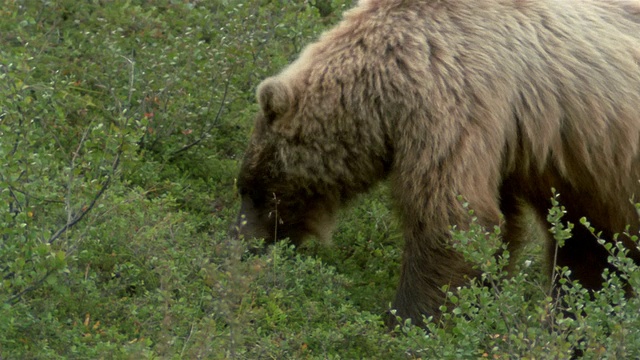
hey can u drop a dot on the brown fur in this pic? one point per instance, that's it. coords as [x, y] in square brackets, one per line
[496, 100]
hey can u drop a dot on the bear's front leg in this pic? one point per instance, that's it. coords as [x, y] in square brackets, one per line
[424, 273]
[428, 212]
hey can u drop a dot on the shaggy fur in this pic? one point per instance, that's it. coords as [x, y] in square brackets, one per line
[494, 100]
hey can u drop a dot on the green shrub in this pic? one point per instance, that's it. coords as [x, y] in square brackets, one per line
[121, 126]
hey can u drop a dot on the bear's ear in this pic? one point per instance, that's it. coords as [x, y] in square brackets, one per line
[275, 98]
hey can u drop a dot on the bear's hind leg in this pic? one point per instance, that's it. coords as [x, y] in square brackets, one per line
[518, 231]
[585, 258]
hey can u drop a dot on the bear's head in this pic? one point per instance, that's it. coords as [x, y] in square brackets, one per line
[316, 143]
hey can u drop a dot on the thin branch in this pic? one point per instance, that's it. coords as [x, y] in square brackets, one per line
[211, 126]
[85, 209]
[16, 297]
[34, 197]
[19, 208]
[76, 219]
[72, 219]
[14, 87]
[71, 176]
[131, 80]
[71, 222]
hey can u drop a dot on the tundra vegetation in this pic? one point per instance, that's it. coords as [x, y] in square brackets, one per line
[122, 124]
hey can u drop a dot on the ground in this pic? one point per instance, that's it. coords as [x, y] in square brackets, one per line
[127, 97]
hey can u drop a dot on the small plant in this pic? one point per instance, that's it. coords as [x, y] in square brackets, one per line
[516, 315]
[121, 126]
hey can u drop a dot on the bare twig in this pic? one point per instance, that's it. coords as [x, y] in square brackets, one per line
[211, 126]
[74, 156]
[74, 218]
[85, 209]
[131, 80]
[16, 297]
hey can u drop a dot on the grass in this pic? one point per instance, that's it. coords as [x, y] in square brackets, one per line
[121, 127]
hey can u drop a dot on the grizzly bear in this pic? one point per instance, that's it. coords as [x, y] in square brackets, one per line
[497, 101]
